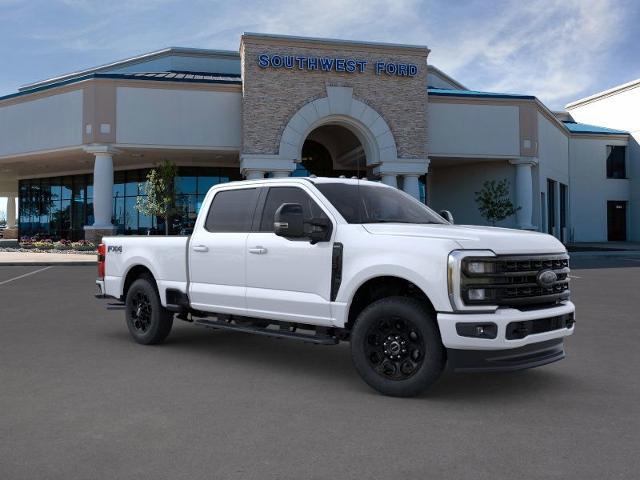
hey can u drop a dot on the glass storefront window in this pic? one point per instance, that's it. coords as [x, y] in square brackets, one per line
[59, 207]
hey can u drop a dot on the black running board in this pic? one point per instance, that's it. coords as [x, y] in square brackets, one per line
[266, 332]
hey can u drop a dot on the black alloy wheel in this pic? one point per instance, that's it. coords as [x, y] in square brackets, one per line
[396, 346]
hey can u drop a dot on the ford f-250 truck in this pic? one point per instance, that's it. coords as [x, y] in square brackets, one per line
[325, 260]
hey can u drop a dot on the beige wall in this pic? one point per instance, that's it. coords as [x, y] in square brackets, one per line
[453, 188]
[272, 96]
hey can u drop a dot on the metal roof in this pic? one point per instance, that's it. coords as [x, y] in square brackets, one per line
[575, 127]
[133, 60]
[186, 77]
[445, 92]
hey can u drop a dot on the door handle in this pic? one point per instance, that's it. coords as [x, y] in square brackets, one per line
[200, 248]
[258, 250]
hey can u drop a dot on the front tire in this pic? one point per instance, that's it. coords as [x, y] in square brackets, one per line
[148, 321]
[396, 346]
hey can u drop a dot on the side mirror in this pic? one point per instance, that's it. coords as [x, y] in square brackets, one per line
[289, 221]
[446, 214]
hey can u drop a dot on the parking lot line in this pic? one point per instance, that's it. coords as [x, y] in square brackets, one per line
[25, 275]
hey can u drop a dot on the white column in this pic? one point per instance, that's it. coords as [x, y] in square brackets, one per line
[390, 179]
[102, 186]
[102, 190]
[524, 191]
[280, 174]
[411, 185]
[254, 174]
[11, 212]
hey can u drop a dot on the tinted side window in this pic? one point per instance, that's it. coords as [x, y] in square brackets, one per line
[232, 211]
[279, 195]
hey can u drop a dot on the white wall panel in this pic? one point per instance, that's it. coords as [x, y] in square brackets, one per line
[461, 129]
[41, 124]
[189, 118]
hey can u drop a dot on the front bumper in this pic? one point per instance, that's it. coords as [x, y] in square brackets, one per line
[529, 356]
[502, 317]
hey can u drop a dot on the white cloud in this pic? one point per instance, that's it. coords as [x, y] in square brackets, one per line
[553, 49]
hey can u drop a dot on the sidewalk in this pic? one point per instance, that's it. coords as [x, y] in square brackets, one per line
[37, 259]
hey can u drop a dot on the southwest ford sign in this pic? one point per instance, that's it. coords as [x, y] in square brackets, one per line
[335, 64]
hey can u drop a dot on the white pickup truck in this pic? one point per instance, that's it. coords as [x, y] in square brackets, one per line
[325, 260]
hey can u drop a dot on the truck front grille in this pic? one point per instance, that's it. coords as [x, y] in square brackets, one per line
[515, 281]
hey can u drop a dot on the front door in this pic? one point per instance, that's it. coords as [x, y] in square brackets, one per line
[288, 279]
[617, 221]
[217, 253]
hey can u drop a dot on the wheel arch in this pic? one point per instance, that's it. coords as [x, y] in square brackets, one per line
[133, 273]
[381, 286]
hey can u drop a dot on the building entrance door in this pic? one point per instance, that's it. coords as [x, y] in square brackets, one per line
[617, 221]
[332, 151]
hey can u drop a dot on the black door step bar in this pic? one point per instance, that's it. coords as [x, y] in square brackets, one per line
[317, 339]
[116, 306]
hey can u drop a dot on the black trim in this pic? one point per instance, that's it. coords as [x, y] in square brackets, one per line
[336, 269]
[517, 330]
[529, 356]
[177, 301]
[284, 331]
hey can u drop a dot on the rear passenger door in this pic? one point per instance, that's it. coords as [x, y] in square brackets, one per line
[217, 253]
[288, 279]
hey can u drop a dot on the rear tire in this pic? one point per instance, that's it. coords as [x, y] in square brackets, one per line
[148, 321]
[396, 346]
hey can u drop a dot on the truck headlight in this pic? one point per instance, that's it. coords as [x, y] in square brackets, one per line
[457, 267]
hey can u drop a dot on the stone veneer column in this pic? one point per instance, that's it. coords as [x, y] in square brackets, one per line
[524, 191]
[102, 193]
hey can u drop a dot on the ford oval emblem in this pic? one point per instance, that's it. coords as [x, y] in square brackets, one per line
[546, 278]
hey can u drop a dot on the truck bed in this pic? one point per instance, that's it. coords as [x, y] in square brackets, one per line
[165, 257]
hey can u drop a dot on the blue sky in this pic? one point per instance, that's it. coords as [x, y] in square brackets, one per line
[558, 50]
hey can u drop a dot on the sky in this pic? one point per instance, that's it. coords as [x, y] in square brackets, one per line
[558, 50]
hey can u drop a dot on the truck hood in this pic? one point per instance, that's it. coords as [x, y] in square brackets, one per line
[499, 240]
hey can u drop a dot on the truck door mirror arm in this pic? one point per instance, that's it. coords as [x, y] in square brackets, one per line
[320, 230]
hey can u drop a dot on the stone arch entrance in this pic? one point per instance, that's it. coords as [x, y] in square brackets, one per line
[330, 125]
[332, 150]
[339, 109]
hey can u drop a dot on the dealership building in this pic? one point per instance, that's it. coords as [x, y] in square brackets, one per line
[75, 150]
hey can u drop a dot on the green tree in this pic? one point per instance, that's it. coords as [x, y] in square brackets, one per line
[160, 199]
[493, 201]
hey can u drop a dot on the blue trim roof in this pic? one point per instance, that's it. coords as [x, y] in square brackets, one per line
[445, 92]
[184, 77]
[575, 127]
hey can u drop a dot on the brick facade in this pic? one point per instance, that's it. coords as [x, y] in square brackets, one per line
[272, 96]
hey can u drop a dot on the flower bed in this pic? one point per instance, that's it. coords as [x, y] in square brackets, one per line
[47, 245]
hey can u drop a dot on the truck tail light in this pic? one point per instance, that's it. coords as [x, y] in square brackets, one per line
[102, 249]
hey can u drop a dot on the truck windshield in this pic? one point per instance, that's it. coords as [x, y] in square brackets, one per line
[373, 204]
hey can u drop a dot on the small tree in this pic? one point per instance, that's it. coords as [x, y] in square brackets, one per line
[493, 201]
[160, 200]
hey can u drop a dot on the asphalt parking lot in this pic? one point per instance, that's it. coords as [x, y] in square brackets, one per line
[80, 400]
